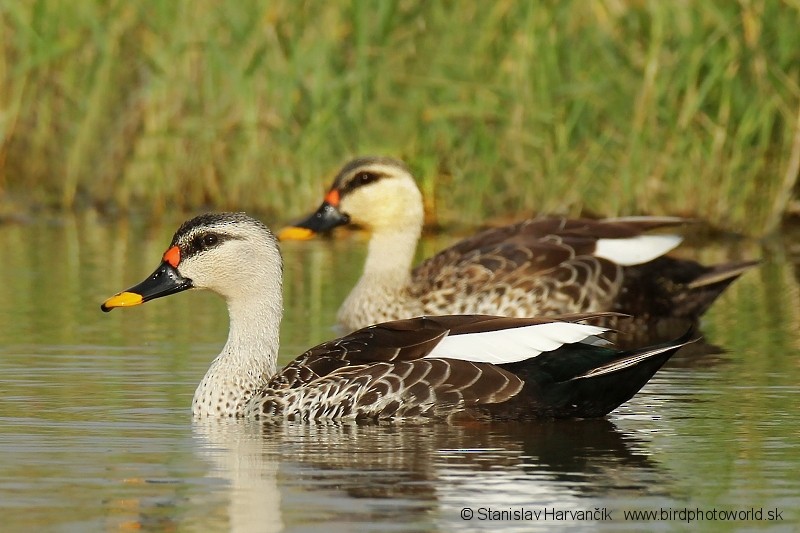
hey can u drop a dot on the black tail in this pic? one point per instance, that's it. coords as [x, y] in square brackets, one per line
[675, 288]
[583, 381]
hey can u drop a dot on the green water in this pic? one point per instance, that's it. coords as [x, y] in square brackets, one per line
[95, 431]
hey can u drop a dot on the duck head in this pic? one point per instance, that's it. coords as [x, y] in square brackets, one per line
[230, 254]
[376, 193]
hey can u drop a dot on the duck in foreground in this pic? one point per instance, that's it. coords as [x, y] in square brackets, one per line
[477, 366]
[536, 267]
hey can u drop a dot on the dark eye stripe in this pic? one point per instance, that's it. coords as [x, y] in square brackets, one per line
[203, 241]
[360, 179]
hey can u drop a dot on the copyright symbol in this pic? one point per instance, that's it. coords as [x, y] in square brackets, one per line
[466, 513]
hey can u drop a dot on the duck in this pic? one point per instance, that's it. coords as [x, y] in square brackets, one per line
[538, 266]
[453, 367]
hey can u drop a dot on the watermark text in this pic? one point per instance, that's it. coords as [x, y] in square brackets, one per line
[604, 514]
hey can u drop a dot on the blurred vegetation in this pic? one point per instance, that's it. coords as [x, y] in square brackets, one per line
[503, 108]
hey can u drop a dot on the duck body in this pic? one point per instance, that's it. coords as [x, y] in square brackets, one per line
[424, 367]
[392, 370]
[539, 266]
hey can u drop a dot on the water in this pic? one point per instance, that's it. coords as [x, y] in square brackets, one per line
[95, 431]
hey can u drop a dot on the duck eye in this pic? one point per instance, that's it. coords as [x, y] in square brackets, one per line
[210, 239]
[366, 177]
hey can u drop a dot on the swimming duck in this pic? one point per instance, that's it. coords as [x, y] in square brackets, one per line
[535, 267]
[430, 366]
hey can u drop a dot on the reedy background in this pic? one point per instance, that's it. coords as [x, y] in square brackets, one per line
[503, 109]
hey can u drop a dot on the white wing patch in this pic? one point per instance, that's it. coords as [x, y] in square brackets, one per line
[636, 250]
[515, 344]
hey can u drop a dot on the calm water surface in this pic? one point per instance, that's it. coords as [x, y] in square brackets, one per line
[96, 435]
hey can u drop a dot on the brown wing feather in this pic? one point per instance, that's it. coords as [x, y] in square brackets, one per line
[413, 338]
[579, 234]
[424, 387]
[545, 262]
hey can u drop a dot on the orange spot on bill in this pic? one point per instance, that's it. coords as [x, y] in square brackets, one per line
[293, 233]
[173, 256]
[332, 197]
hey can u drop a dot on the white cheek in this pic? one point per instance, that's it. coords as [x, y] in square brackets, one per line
[209, 269]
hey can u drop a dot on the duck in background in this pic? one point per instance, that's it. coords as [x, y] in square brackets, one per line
[536, 267]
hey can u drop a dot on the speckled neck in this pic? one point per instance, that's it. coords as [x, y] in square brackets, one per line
[249, 356]
[384, 282]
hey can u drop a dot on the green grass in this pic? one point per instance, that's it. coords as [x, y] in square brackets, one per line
[503, 108]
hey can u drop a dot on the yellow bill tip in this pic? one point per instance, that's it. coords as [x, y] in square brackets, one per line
[294, 233]
[123, 299]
